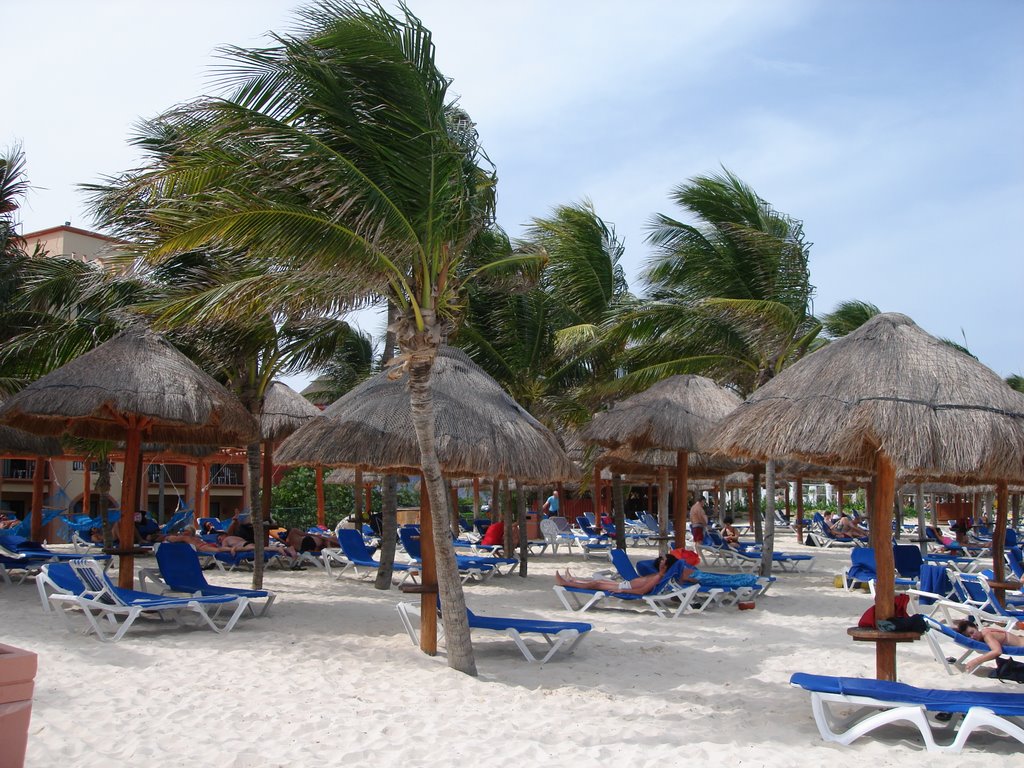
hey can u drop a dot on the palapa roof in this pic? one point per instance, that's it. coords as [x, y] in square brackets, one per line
[889, 386]
[139, 373]
[15, 442]
[647, 462]
[284, 411]
[480, 429]
[675, 414]
[347, 476]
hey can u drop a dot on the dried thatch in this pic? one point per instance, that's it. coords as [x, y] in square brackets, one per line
[480, 429]
[889, 386]
[347, 476]
[135, 373]
[674, 415]
[15, 442]
[284, 411]
[647, 462]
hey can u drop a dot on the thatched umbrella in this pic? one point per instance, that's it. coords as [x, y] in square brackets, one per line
[14, 443]
[284, 411]
[675, 414]
[887, 399]
[479, 428]
[135, 386]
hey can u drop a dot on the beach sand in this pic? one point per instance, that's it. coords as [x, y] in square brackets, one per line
[330, 678]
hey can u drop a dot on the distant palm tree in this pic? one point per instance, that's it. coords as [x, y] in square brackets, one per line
[728, 297]
[537, 330]
[339, 155]
[847, 317]
[1016, 381]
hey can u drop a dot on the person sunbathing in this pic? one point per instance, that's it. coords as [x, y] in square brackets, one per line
[845, 528]
[198, 544]
[641, 585]
[729, 534]
[994, 637]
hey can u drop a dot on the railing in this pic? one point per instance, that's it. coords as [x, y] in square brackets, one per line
[172, 473]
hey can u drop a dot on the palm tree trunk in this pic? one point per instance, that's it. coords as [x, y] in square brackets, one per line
[103, 489]
[453, 604]
[388, 532]
[523, 539]
[506, 516]
[768, 546]
[252, 454]
[663, 510]
[755, 509]
[619, 512]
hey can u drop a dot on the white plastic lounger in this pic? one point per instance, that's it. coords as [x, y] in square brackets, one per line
[880, 702]
[559, 635]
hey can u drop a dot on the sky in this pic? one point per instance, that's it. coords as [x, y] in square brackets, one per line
[893, 130]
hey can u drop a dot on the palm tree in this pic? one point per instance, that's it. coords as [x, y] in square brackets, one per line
[1016, 381]
[847, 317]
[339, 156]
[728, 297]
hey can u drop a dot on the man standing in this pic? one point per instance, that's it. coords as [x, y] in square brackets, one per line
[698, 520]
[550, 507]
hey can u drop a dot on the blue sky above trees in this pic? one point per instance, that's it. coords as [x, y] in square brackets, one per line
[891, 129]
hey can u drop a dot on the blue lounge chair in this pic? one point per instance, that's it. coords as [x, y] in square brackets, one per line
[470, 567]
[353, 553]
[667, 599]
[558, 635]
[822, 535]
[704, 597]
[180, 571]
[862, 569]
[105, 605]
[882, 702]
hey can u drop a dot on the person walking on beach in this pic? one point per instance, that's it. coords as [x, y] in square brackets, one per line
[550, 507]
[641, 585]
[698, 520]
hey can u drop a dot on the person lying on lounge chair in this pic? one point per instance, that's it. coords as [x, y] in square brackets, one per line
[641, 585]
[995, 639]
[845, 527]
[201, 545]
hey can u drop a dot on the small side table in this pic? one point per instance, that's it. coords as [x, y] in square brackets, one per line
[885, 647]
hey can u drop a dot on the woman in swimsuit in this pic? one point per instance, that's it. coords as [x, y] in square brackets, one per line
[641, 585]
[993, 637]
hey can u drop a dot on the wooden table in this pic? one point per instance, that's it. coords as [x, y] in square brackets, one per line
[885, 647]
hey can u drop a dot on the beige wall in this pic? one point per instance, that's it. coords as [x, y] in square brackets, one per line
[71, 242]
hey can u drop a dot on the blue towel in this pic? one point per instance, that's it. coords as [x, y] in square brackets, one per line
[934, 579]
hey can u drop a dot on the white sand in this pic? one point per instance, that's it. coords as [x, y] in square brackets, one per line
[330, 678]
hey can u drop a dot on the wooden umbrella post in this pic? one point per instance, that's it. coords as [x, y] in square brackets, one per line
[428, 578]
[881, 541]
[999, 539]
[679, 510]
[597, 498]
[800, 509]
[321, 514]
[129, 497]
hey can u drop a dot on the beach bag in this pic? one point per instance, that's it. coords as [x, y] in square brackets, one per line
[686, 555]
[1009, 670]
[867, 619]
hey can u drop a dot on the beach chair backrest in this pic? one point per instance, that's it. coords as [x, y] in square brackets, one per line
[410, 540]
[623, 564]
[864, 557]
[63, 578]
[560, 523]
[95, 580]
[179, 565]
[908, 560]
[1015, 558]
[352, 544]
